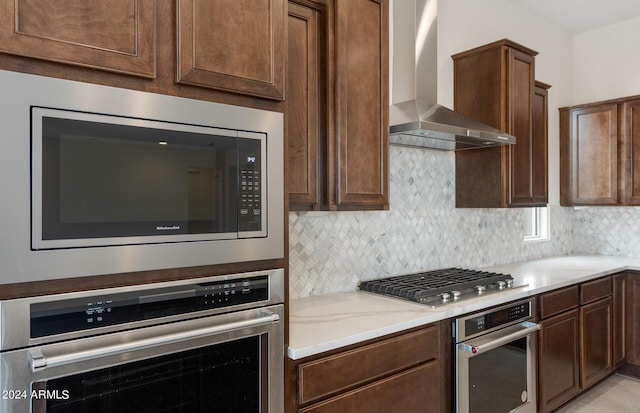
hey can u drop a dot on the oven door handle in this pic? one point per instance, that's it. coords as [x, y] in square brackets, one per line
[526, 329]
[38, 361]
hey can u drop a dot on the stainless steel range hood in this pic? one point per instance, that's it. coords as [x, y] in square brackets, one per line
[414, 116]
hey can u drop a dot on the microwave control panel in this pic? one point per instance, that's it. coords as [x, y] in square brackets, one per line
[250, 186]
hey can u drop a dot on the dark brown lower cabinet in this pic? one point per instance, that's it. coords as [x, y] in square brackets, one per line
[580, 338]
[559, 360]
[633, 320]
[596, 351]
[406, 372]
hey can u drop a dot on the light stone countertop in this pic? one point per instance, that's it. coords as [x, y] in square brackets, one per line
[327, 322]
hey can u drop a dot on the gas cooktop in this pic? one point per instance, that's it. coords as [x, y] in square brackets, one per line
[441, 286]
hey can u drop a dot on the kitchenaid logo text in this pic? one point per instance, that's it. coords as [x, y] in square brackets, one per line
[167, 227]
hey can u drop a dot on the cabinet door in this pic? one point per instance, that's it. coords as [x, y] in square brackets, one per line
[558, 363]
[633, 318]
[303, 105]
[589, 151]
[539, 144]
[411, 391]
[233, 45]
[362, 103]
[630, 147]
[619, 317]
[113, 35]
[595, 342]
[520, 92]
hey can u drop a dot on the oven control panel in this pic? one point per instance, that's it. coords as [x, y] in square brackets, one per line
[472, 325]
[57, 317]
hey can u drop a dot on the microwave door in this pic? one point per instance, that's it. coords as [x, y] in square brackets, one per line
[105, 180]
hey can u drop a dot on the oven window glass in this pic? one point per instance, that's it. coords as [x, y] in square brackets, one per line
[222, 378]
[498, 378]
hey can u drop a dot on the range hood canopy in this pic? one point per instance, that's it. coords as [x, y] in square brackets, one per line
[417, 120]
[434, 126]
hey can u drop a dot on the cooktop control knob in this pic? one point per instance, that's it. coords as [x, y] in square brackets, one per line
[456, 294]
[445, 296]
[480, 289]
[509, 282]
[501, 285]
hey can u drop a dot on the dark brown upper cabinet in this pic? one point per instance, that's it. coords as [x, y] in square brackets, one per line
[337, 105]
[495, 84]
[233, 45]
[600, 153]
[112, 35]
[361, 110]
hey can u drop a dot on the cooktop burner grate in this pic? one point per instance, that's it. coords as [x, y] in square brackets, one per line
[420, 286]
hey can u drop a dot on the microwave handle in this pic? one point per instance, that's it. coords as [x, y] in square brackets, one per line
[527, 328]
[38, 361]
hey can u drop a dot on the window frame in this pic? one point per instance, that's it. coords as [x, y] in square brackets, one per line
[536, 224]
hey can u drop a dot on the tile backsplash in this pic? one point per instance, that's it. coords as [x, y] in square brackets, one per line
[333, 251]
[607, 230]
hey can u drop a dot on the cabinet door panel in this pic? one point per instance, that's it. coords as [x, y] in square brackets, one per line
[619, 317]
[234, 45]
[540, 144]
[520, 90]
[113, 35]
[559, 360]
[593, 149]
[596, 346]
[633, 318]
[303, 106]
[631, 152]
[362, 104]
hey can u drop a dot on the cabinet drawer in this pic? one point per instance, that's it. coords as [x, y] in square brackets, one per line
[327, 376]
[595, 290]
[558, 301]
[415, 390]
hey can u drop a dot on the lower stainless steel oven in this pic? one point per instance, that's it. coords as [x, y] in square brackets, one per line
[495, 360]
[211, 344]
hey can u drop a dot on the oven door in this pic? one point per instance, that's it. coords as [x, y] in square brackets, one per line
[496, 371]
[226, 363]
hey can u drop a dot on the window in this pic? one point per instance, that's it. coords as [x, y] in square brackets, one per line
[536, 224]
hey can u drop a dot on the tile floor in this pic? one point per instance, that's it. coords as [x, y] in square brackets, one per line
[617, 394]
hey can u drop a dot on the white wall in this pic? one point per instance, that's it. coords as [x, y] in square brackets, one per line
[607, 63]
[465, 24]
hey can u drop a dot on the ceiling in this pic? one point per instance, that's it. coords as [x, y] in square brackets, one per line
[579, 16]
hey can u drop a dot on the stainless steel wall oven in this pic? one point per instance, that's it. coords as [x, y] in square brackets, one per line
[203, 345]
[495, 360]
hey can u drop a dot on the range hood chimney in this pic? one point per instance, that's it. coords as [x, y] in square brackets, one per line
[414, 116]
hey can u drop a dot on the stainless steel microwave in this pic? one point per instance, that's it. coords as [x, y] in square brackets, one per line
[100, 180]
